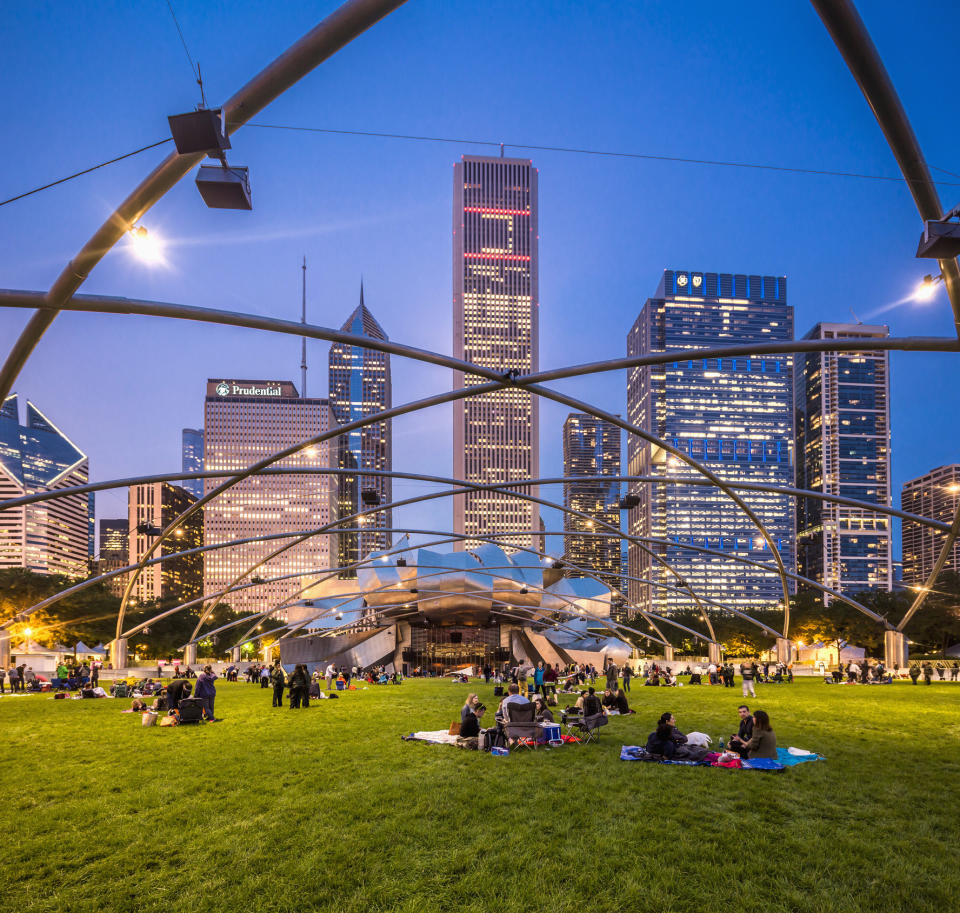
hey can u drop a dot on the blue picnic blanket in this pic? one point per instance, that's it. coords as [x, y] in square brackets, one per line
[783, 761]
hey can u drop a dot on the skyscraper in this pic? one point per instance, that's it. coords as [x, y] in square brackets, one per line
[360, 386]
[114, 551]
[245, 421]
[49, 537]
[843, 448]
[936, 495]
[192, 459]
[732, 414]
[495, 324]
[591, 447]
[151, 508]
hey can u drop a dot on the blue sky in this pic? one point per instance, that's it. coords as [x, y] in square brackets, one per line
[751, 81]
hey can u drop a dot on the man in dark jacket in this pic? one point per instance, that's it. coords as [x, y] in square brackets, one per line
[177, 690]
[298, 685]
[278, 680]
[914, 673]
[207, 691]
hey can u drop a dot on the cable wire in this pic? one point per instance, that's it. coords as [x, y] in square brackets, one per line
[602, 152]
[77, 174]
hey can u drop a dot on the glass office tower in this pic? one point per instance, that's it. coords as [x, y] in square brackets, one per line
[192, 459]
[495, 324]
[591, 447]
[359, 387]
[732, 414]
[48, 537]
[843, 448]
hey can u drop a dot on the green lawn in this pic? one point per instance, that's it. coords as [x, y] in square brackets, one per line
[327, 809]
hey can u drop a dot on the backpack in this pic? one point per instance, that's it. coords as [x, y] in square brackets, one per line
[490, 738]
[552, 700]
[120, 690]
[498, 691]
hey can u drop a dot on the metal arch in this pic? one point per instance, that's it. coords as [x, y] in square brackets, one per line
[103, 304]
[694, 464]
[852, 39]
[435, 479]
[935, 573]
[884, 509]
[432, 495]
[343, 25]
[447, 493]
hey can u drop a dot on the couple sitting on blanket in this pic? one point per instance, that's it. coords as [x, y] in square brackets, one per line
[667, 741]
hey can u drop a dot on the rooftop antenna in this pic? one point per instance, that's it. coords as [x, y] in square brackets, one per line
[855, 317]
[303, 341]
[501, 150]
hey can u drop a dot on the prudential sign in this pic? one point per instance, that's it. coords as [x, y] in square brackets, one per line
[232, 389]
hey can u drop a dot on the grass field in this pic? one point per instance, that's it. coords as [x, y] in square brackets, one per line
[327, 809]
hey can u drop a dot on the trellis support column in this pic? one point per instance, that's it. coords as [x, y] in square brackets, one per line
[668, 654]
[785, 650]
[235, 654]
[267, 655]
[4, 650]
[190, 655]
[118, 653]
[713, 653]
[895, 649]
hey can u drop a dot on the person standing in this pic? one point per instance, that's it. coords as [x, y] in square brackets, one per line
[329, 675]
[207, 691]
[538, 679]
[914, 672]
[927, 673]
[954, 671]
[941, 670]
[95, 674]
[627, 675]
[612, 675]
[297, 686]
[279, 678]
[747, 674]
[3, 675]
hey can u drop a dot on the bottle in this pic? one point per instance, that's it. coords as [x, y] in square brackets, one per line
[722, 745]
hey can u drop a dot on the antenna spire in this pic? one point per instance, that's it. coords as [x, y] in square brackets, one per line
[303, 341]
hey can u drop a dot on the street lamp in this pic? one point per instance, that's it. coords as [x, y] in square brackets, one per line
[927, 288]
[146, 247]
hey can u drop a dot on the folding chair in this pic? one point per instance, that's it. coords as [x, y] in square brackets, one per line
[588, 727]
[519, 722]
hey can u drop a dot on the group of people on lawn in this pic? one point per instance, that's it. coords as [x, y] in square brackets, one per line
[754, 738]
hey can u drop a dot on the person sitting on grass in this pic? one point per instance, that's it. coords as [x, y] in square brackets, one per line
[620, 702]
[744, 732]
[763, 742]
[469, 707]
[608, 700]
[666, 739]
[470, 718]
[544, 714]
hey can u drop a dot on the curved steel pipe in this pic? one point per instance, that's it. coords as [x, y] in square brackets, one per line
[322, 41]
[852, 39]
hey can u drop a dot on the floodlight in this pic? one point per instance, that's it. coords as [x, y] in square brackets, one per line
[370, 497]
[199, 131]
[224, 186]
[940, 240]
[629, 502]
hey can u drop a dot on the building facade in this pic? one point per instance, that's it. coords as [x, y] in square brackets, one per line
[496, 325]
[359, 387]
[591, 447]
[842, 402]
[935, 495]
[114, 551]
[191, 459]
[734, 415]
[244, 422]
[150, 509]
[48, 537]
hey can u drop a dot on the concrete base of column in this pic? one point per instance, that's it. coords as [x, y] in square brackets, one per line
[267, 653]
[668, 654]
[235, 654]
[118, 653]
[784, 650]
[895, 649]
[190, 655]
[713, 653]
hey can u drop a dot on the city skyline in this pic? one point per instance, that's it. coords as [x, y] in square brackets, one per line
[594, 258]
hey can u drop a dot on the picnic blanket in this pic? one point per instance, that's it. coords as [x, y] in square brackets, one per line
[786, 757]
[433, 736]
